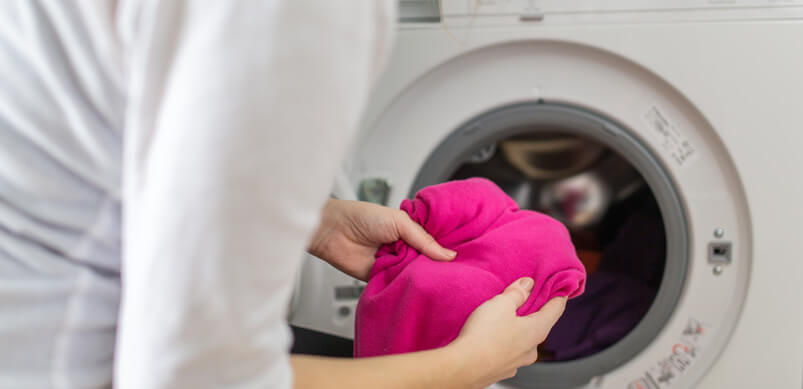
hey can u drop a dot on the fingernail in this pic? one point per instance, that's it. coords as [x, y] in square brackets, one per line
[450, 253]
[527, 283]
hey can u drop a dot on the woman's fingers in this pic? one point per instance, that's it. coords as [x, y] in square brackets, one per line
[548, 315]
[415, 235]
[519, 291]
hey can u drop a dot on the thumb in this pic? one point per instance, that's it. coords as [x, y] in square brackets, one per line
[549, 314]
[519, 291]
[415, 235]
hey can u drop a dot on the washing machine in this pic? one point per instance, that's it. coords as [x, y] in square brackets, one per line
[665, 134]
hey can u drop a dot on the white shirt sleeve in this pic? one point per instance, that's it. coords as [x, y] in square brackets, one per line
[239, 113]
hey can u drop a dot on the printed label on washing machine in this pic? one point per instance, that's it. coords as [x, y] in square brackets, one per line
[684, 352]
[670, 140]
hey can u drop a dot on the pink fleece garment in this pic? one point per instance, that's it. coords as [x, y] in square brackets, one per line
[414, 303]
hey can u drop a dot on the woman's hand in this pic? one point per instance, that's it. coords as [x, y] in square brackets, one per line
[495, 342]
[351, 231]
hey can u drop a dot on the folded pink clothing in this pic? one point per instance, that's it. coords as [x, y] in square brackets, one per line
[413, 303]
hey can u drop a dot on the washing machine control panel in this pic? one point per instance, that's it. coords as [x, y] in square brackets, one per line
[582, 10]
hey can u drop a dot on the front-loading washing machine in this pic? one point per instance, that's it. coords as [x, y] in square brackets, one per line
[664, 134]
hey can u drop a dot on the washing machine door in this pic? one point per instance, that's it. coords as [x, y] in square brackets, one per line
[632, 290]
[460, 118]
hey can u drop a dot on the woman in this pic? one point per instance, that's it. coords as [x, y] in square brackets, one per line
[168, 160]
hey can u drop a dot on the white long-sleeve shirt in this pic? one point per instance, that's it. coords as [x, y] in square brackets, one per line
[172, 155]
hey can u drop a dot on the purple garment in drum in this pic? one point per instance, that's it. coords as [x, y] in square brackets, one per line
[612, 305]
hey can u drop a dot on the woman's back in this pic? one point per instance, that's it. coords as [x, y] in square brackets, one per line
[61, 113]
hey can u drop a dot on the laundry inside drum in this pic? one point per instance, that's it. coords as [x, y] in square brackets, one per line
[612, 216]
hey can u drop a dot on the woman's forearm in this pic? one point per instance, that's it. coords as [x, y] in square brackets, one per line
[440, 368]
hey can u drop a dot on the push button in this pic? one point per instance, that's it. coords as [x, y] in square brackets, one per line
[719, 252]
